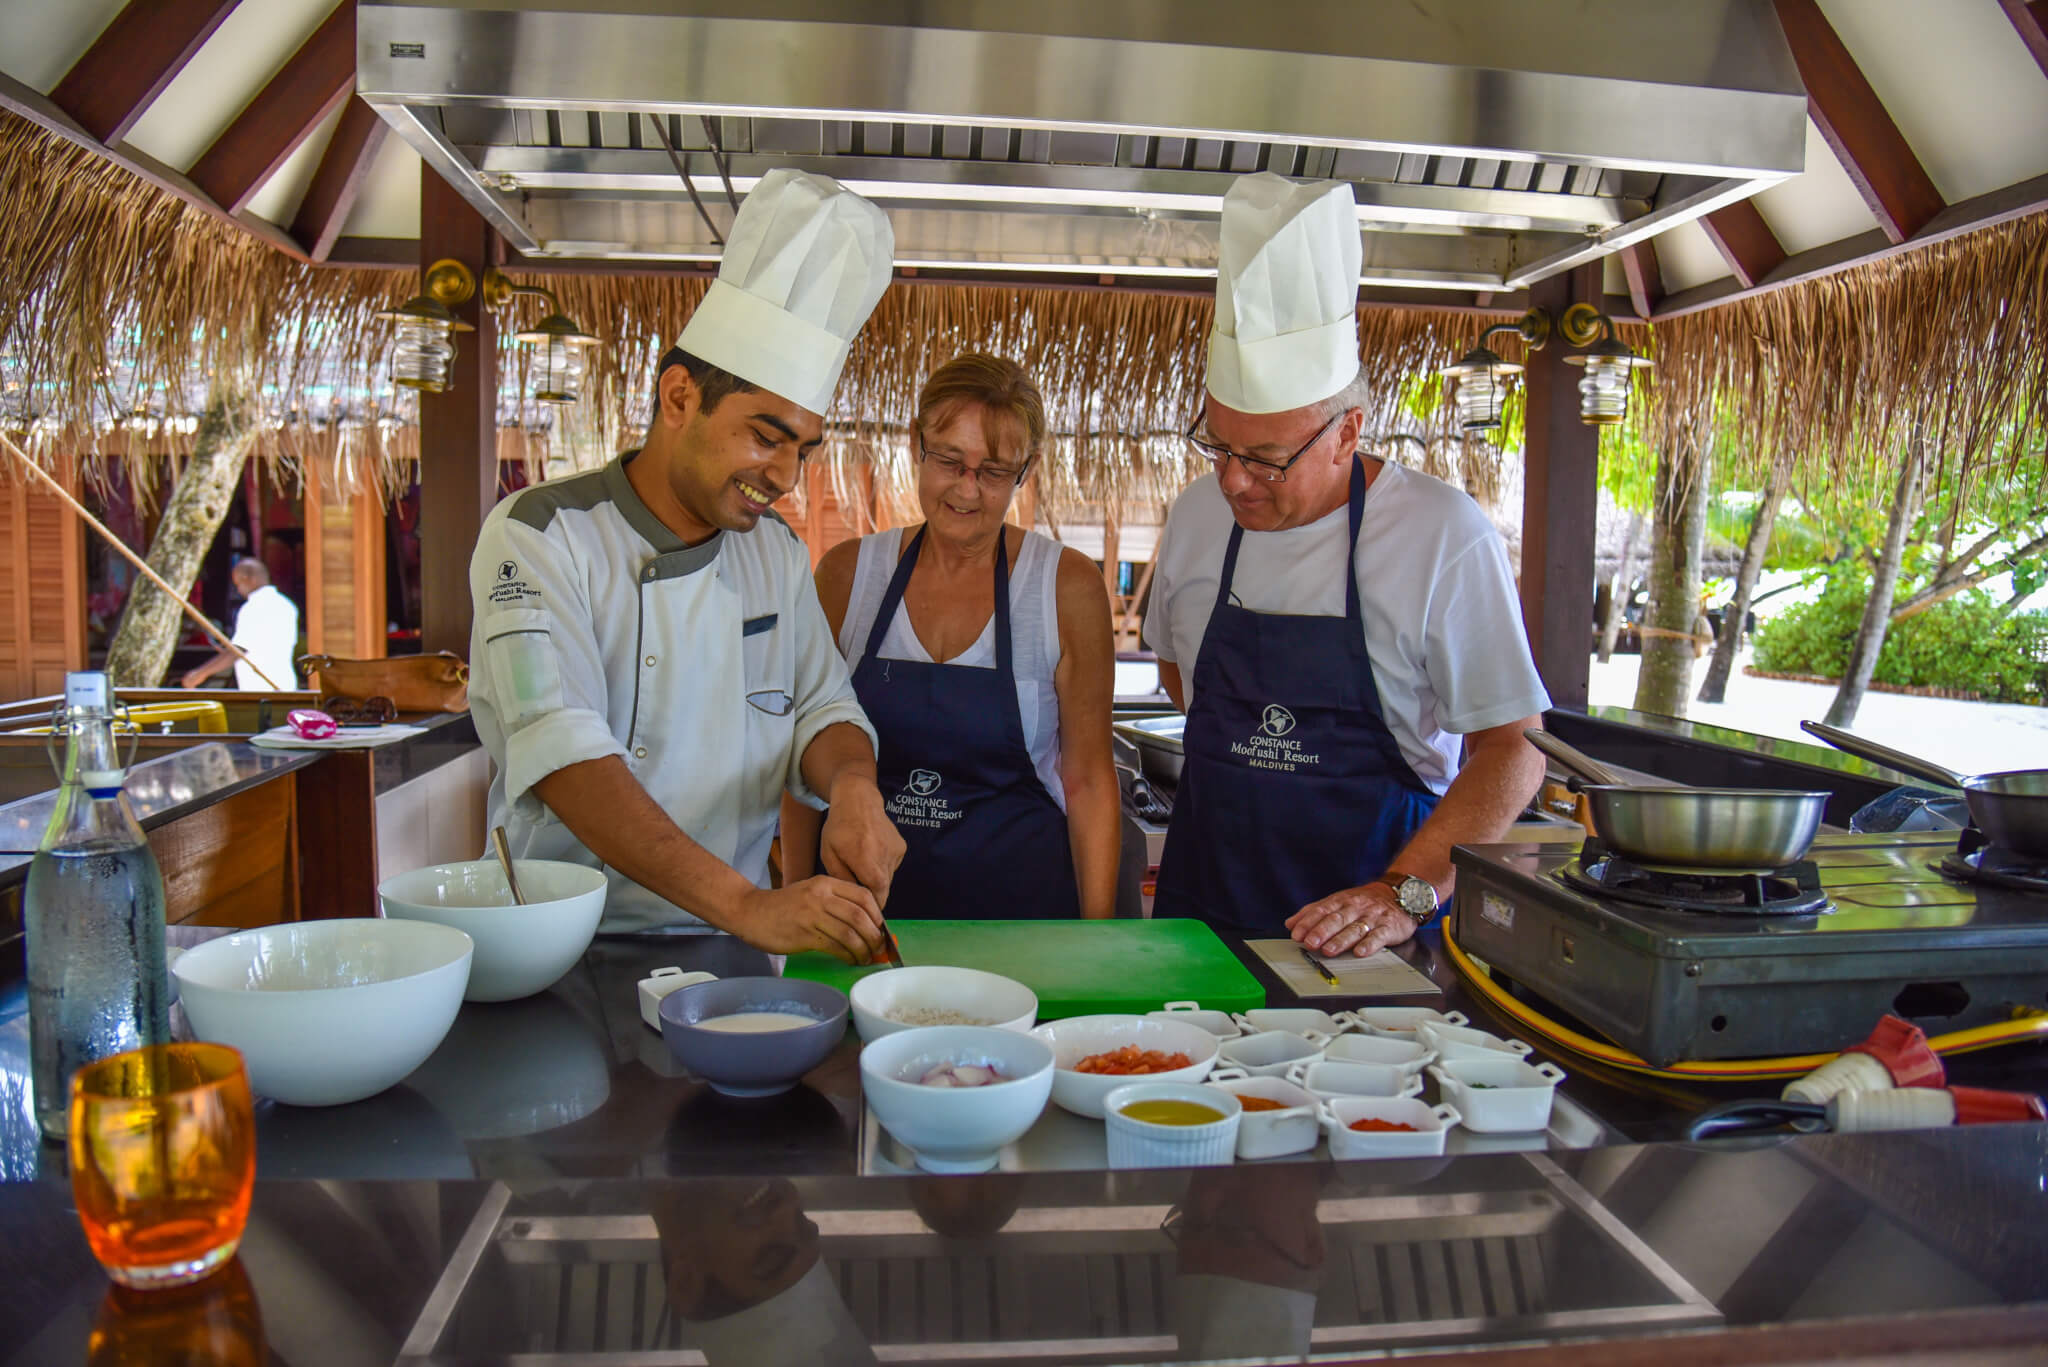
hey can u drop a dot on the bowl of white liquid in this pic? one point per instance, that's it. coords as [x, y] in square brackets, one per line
[753, 1036]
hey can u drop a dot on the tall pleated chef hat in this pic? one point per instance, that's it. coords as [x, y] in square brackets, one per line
[1286, 332]
[804, 265]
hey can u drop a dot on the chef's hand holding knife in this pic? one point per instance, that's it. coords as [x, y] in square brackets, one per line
[860, 843]
[838, 911]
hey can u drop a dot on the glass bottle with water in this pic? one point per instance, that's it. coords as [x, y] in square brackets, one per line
[94, 905]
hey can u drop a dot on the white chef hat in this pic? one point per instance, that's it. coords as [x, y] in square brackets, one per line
[804, 265]
[1286, 331]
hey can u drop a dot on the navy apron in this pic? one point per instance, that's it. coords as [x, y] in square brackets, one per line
[986, 840]
[1292, 787]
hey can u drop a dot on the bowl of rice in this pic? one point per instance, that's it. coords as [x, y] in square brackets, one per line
[916, 998]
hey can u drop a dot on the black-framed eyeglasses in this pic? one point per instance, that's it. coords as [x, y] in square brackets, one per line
[1273, 472]
[994, 480]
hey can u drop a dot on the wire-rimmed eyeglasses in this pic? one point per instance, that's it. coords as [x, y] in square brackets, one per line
[995, 481]
[1273, 472]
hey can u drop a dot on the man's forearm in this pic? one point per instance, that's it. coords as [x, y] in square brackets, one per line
[840, 751]
[605, 807]
[1482, 802]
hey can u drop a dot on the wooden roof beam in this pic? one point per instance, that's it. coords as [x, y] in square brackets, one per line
[305, 90]
[1856, 125]
[339, 180]
[1745, 241]
[1645, 280]
[1965, 216]
[41, 111]
[129, 64]
[2030, 17]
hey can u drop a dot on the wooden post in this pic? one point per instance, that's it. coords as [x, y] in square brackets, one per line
[458, 429]
[1560, 502]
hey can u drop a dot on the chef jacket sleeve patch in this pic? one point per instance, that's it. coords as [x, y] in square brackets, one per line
[523, 663]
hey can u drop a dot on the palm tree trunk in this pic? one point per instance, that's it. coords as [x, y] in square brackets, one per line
[1729, 643]
[1677, 546]
[1618, 591]
[140, 654]
[1877, 609]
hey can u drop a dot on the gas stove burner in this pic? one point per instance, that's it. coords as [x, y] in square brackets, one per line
[1976, 860]
[1791, 891]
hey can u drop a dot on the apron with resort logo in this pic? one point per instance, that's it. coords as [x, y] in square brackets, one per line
[1292, 787]
[986, 840]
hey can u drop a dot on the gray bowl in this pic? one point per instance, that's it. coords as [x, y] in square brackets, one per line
[752, 1064]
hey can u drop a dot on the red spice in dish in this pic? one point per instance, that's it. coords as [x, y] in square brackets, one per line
[1131, 1059]
[1374, 1125]
[1260, 1103]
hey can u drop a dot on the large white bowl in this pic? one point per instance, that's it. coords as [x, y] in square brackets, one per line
[520, 950]
[956, 1129]
[327, 1012]
[990, 998]
[1077, 1037]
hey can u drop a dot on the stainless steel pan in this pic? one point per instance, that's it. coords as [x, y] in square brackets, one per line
[1692, 828]
[2010, 808]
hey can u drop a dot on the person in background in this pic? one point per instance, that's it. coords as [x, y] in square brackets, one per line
[266, 630]
[1335, 628]
[649, 668]
[982, 655]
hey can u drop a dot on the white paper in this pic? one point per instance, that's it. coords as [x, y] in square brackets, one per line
[348, 738]
[1381, 974]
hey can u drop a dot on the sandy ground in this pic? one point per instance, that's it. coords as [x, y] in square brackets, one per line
[1972, 737]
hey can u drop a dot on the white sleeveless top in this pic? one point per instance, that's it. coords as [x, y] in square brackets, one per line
[1034, 632]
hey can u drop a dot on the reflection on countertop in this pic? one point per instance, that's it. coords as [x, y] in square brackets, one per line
[1861, 1237]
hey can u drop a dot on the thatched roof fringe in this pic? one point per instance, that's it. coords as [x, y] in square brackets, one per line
[113, 294]
[1947, 345]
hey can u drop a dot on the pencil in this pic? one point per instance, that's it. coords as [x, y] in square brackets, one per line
[1319, 966]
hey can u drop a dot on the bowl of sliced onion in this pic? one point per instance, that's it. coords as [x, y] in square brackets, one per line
[954, 1095]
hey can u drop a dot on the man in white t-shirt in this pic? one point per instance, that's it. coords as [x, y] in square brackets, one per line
[266, 630]
[1336, 629]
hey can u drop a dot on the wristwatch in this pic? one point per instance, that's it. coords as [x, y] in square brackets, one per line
[1414, 896]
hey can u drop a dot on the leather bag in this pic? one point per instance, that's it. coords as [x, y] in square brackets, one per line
[414, 683]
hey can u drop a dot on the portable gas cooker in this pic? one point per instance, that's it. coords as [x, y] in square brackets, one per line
[1894, 935]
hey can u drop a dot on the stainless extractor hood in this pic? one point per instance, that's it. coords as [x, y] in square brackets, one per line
[1489, 143]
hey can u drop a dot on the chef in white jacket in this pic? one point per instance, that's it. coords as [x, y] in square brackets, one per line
[650, 669]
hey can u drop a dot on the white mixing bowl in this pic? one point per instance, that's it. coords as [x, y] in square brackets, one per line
[1078, 1037]
[326, 1012]
[955, 1129]
[520, 950]
[987, 998]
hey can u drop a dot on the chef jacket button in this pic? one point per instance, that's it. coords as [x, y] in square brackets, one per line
[640, 753]
[650, 662]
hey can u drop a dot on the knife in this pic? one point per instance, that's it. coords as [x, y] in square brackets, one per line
[892, 954]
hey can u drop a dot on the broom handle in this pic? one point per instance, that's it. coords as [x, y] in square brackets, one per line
[137, 561]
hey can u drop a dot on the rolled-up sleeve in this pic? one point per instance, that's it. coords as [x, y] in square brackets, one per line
[537, 682]
[824, 687]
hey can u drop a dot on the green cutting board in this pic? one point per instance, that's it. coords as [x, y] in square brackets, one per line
[1077, 968]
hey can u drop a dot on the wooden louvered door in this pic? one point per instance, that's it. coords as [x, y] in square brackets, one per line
[42, 611]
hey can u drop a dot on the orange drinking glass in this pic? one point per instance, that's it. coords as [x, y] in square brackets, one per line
[163, 1158]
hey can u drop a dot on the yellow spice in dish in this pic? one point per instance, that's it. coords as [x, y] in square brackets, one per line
[1169, 1112]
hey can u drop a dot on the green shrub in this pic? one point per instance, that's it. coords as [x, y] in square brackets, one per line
[1964, 644]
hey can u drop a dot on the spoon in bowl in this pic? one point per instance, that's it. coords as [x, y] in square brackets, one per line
[504, 850]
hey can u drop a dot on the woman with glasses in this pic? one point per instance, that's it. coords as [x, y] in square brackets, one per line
[982, 655]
